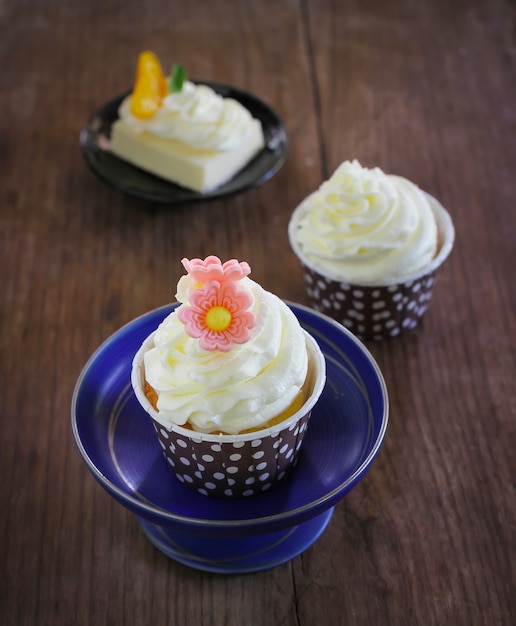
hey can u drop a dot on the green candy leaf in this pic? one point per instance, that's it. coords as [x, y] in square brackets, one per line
[177, 78]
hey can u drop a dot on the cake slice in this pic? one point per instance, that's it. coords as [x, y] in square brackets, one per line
[183, 132]
[180, 163]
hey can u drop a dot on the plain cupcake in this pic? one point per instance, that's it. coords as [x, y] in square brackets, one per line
[370, 244]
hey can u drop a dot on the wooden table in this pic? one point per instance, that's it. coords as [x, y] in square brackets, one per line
[422, 89]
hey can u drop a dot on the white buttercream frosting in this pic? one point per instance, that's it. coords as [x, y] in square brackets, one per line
[196, 116]
[363, 226]
[228, 391]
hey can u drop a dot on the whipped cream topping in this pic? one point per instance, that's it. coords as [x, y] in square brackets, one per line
[196, 116]
[363, 226]
[229, 391]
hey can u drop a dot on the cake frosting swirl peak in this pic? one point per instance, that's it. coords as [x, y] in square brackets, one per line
[366, 227]
[231, 357]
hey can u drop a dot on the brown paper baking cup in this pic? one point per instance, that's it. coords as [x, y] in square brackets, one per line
[233, 466]
[378, 311]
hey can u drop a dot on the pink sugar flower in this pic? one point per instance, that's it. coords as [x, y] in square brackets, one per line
[218, 316]
[213, 269]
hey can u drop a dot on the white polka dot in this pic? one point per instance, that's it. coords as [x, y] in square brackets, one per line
[235, 457]
[180, 478]
[266, 486]
[379, 304]
[256, 442]
[202, 491]
[187, 478]
[219, 475]
[216, 447]
[182, 443]
[263, 477]
[261, 466]
[258, 455]
[200, 467]
[284, 448]
[376, 293]
[207, 457]
[381, 316]
[289, 453]
[164, 433]
[184, 460]
[340, 296]
[357, 304]
[232, 469]
[171, 462]
[397, 297]
[162, 444]
[228, 492]
[277, 443]
[238, 444]
[326, 303]
[250, 480]
[248, 492]
[198, 474]
[416, 287]
[358, 293]
[231, 482]
[210, 485]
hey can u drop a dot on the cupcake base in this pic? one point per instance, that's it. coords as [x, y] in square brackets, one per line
[371, 312]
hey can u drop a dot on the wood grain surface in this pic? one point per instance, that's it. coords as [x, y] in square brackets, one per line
[424, 89]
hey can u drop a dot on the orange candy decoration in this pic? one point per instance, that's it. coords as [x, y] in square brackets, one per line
[150, 86]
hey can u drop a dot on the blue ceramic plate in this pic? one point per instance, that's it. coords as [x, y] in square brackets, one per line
[94, 142]
[117, 441]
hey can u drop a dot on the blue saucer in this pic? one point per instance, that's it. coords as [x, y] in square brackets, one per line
[117, 441]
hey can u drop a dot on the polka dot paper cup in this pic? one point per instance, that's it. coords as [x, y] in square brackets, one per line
[377, 311]
[232, 466]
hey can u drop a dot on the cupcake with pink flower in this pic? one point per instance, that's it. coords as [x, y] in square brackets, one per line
[229, 379]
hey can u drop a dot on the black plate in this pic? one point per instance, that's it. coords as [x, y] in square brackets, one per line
[127, 178]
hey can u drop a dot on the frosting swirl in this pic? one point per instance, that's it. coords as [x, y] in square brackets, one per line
[365, 227]
[196, 116]
[228, 391]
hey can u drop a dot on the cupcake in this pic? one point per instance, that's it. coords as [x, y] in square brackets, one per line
[229, 380]
[370, 244]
